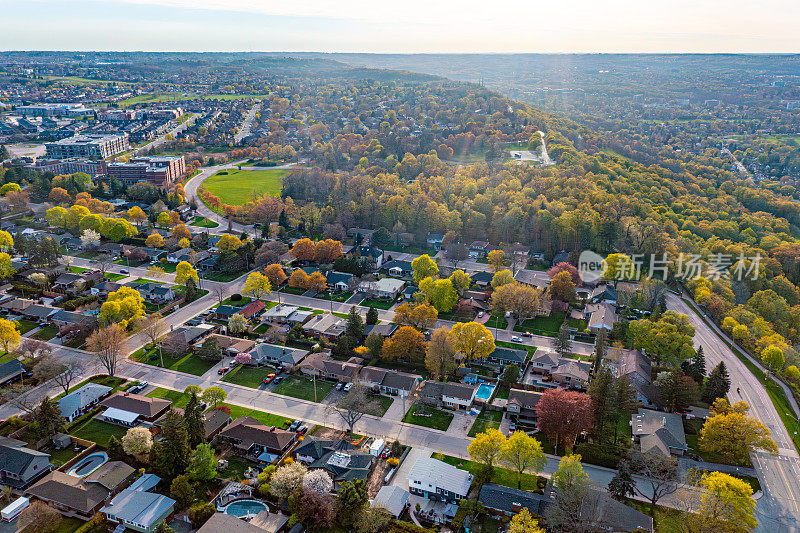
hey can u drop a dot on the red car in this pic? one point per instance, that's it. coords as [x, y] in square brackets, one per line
[223, 370]
[269, 378]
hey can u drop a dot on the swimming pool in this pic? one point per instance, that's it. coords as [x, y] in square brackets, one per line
[484, 392]
[88, 464]
[243, 508]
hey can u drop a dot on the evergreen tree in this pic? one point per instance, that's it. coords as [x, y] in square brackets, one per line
[562, 343]
[4, 152]
[191, 290]
[353, 498]
[283, 220]
[695, 367]
[601, 390]
[114, 449]
[624, 402]
[600, 345]
[170, 456]
[622, 484]
[355, 326]
[372, 316]
[718, 384]
[194, 421]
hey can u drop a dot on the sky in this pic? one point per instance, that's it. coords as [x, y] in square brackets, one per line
[406, 26]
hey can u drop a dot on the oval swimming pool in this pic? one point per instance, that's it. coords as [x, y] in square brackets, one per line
[88, 464]
[241, 508]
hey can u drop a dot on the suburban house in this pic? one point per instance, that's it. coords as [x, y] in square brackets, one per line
[658, 432]
[65, 319]
[74, 283]
[82, 400]
[438, 481]
[637, 367]
[184, 254]
[222, 522]
[373, 256]
[224, 312]
[138, 509]
[602, 316]
[153, 254]
[190, 334]
[214, 420]
[604, 513]
[253, 309]
[393, 499]
[252, 439]
[571, 374]
[521, 405]
[344, 371]
[339, 281]
[604, 293]
[434, 240]
[533, 278]
[371, 377]
[104, 288]
[398, 268]
[503, 357]
[544, 361]
[275, 355]
[19, 465]
[231, 345]
[11, 371]
[154, 293]
[326, 326]
[384, 330]
[82, 496]
[16, 305]
[479, 249]
[384, 288]
[506, 501]
[482, 279]
[452, 395]
[279, 314]
[39, 313]
[337, 457]
[399, 384]
[127, 409]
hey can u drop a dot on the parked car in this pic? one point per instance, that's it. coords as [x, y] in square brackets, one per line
[339, 386]
[139, 387]
[512, 427]
[269, 378]
[515, 338]
[386, 454]
[527, 334]
[124, 271]
[348, 387]
[223, 370]
[480, 314]
[296, 424]
[302, 430]
[278, 379]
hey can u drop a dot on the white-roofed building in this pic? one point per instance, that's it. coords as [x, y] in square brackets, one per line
[438, 481]
[393, 499]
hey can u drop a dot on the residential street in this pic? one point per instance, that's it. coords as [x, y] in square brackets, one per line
[778, 509]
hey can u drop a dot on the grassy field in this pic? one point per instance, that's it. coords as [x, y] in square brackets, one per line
[543, 325]
[178, 398]
[248, 376]
[268, 419]
[236, 187]
[303, 388]
[151, 98]
[484, 421]
[502, 476]
[437, 419]
[98, 431]
[203, 222]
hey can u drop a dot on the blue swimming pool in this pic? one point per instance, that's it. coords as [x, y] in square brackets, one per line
[484, 392]
[242, 508]
[88, 464]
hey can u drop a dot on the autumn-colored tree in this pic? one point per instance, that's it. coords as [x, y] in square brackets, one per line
[229, 243]
[59, 196]
[524, 522]
[732, 435]
[619, 267]
[502, 277]
[424, 267]
[669, 339]
[421, 316]
[460, 280]
[772, 357]
[497, 259]
[726, 504]
[565, 267]
[154, 240]
[472, 340]
[317, 282]
[181, 232]
[407, 344]
[164, 220]
[327, 251]
[304, 250]
[562, 288]
[439, 293]
[185, 271]
[563, 415]
[10, 336]
[521, 453]
[257, 285]
[440, 359]
[486, 447]
[522, 300]
[275, 274]
[298, 279]
[122, 307]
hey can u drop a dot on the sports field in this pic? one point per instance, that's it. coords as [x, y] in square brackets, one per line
[236, 187]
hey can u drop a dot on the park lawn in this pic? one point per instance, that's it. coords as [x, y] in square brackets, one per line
[484, 421]
[237, 187]
[543, 325]
[179, 399]
[248, 376]
[502, 476]
[303, 388]
[151, 98]
[268, 419]
[438, 419]
[46, 333]
[98, 431]
[203, 222]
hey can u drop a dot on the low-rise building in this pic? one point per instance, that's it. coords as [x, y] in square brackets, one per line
[391, 498]
[506, 501]
[19, 465]
[337, 457]
[275, 355]
[82, 400]
[127, 409]
[11, 371]
[252, 439]
[161, 171]
[521, 405]
[438, 481]
[659, 432]
[139, 510]
[325, 326]
[384, 288]
[451, 395]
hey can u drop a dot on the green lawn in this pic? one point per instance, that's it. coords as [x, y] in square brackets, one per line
[486, 420]
[377, 304]
[46, 333]
[248, 376]
[241, 302]
[268, 419]
[151, 98]
[98, 431]
[236, 187]
[7, 356]
[666, 520]
[64, 525]
[224, 277]
[203, 222]
[189, 364]
[25, 326]
[178, 398]
[303, 388]
[381, 405]
[502, 476]
[437, 419]
[232, 96]
[543, 325]
[110, 276]
[77, 270]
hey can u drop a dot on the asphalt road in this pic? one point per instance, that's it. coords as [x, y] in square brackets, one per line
[247, 125]
[778, 510]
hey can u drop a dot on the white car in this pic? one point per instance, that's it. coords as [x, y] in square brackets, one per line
[348, 387]
[480, 314]
[514, 338]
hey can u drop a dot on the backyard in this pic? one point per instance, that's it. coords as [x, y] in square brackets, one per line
[428, 417]
[236, 187]
[303, 388]
[98, 431]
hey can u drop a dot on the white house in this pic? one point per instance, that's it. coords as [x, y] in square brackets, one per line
[439, 481]
[388, 288]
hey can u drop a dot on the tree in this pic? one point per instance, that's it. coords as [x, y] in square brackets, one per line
[214, 395]
[695, 367]
[460, 280]
[286, 479]
[275, 274]
[164, 220]
[298, 279]
[237, 323]
[59, 195]
[618, 266]
[6, 269]
[718, 384]
[90, 239]
[439, 293]
[373, 520]
[163, 528]
[70, 369]
[136, 215]
[315, 510]
[563, 341]
[122, 307]
[407, 344]
[353, 406]
[200, 513]
[424, 267]
[202, 464]
[46, 419]
[153, 327]
[154, 240]
[522, 452]
[184, 243]
[622, 484]
[169, 456]
[524, 522]
[318, 480]
[106, 343]
[210, 350]
[327, 251]
[195, 426]
[115, 450]
[496, 258]
[510, 375]
[502, 277]
[660, 475]
[571, 484]
[422, 316]
[772, 357]
[486, 447]
[353, 499]
[472, 340]
[731, 434]
[38, 517]
[562, 288]
[355, 325]
[9, 335]
[257, 285]
[304, 250]
[563, 415]
[182, 491]
[372, 316]
[668, 339]
[440, 358]
[185, 271]
[676, 390]
[565, 267]
[137, 441]
[726, 504]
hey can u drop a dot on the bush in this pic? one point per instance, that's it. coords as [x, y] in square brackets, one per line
[199, 514]
[606, 455]
[236, 297]
[393, 461]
